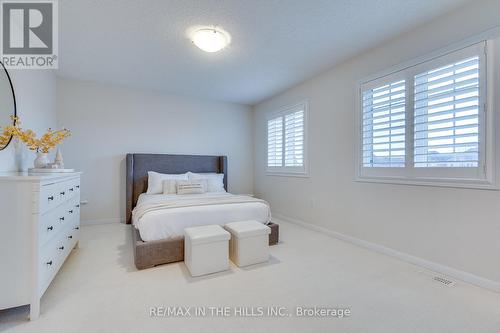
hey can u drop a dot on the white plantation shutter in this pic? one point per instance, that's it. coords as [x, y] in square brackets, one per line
[384, 125]
[446, 118]
[275, 142]
[286, 140]
[294, 139]
[427, 123]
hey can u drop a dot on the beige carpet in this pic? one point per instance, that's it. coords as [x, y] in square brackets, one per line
[99, 290]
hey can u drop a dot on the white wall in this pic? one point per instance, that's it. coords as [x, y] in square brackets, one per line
[35, 92]
[109, 121]
[459, 228]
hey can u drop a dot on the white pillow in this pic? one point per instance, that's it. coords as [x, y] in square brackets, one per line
[155, 181]
[215, 181]
[190, 187]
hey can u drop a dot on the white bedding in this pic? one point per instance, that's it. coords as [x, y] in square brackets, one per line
[154, 223]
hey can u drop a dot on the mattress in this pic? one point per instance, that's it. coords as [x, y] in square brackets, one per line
[170, 222]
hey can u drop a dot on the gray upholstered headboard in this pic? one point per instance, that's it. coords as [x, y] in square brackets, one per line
[138, 166]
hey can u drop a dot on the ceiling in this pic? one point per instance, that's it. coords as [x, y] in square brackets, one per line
[275, 43]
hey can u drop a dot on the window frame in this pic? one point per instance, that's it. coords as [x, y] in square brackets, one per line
[289, 170]
[480, 177]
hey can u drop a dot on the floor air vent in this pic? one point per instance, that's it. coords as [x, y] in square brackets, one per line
[444, 281]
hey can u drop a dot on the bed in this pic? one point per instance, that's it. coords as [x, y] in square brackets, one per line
[162, 238]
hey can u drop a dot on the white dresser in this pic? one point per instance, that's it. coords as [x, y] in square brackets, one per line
[40, 225]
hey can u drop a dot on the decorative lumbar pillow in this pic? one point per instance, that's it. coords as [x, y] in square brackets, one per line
[215, 181]
[155, 181]
[190, 187]
[170, 186]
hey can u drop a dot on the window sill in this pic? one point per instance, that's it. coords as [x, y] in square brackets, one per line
[453, 183]
[287, 174]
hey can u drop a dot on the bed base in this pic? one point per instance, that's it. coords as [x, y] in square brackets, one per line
[154, 253]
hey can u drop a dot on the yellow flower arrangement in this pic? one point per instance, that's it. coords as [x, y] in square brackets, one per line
[49, 140]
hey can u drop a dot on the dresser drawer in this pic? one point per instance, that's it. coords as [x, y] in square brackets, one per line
[53, 194]
[49, 196]
[53, 254]
[58, 219]
[69, 189]
[51, 257]
[62, 215]
[71, 209]
[64, 191]
[72, 235]
[75, 185]
[49, 227]
[75, 228]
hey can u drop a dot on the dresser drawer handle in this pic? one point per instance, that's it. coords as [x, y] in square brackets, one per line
[62, 193]
[71, 189]
[77, 228]
[70, 211]
[61, 248]
[61, 218]
[51, 198]
[77, 206]
[49, 263]
[50, 228]
[77, 186]
[70, 237]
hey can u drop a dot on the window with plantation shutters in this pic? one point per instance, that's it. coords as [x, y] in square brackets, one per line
[426, 123]
[446, 118]
[275, 142]
[384, 125]
[294, 139]
[286, 140]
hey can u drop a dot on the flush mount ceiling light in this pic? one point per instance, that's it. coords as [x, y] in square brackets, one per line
[210, 39]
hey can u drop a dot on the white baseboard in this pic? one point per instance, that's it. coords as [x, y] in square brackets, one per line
[433, 266]
[102, 221]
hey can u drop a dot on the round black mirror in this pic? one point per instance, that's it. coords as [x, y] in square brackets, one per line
[7, 102]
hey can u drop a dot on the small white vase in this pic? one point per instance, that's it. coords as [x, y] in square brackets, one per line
[59, 162]
[41, 160]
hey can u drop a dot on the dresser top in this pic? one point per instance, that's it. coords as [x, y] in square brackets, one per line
[35, 177]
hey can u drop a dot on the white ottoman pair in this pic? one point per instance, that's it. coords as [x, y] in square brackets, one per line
[206, 248]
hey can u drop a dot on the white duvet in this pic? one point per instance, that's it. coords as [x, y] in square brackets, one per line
[164, 216]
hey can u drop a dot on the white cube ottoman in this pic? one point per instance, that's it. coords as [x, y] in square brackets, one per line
[249, 242]
[206, 249]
